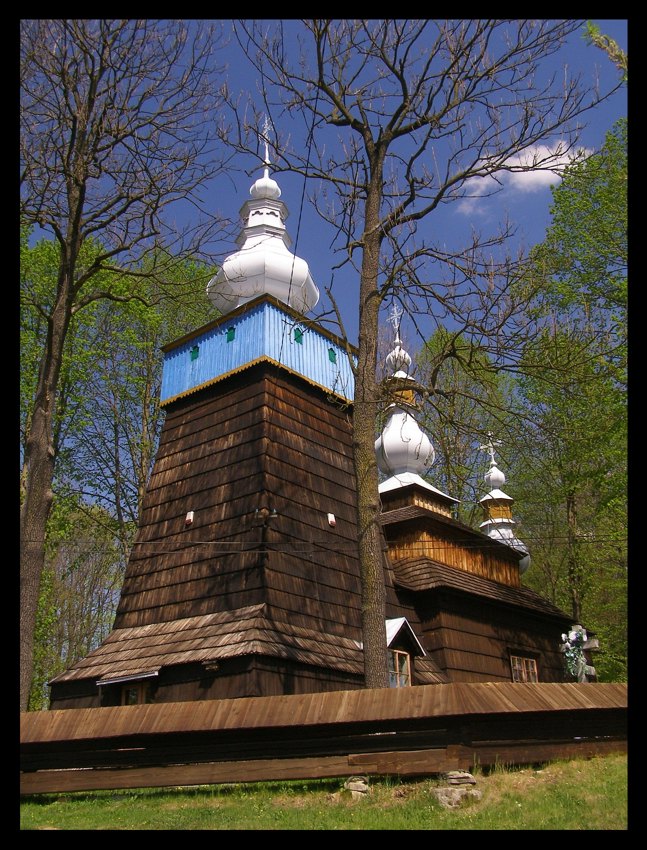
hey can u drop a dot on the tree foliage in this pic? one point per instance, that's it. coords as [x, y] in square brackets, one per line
[106, 430]
[112, 135]
[574, 395]
[79, 592]
[470, 398]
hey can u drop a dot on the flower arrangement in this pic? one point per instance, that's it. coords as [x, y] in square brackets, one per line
[573, 649]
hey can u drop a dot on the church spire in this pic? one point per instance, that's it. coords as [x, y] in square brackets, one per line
[263, 265]
[497, 507]
[404, 453]
[403, 450]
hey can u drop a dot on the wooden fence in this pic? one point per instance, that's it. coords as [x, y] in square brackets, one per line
[417, 731]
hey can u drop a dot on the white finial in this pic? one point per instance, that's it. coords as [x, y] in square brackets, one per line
[489, 447]
[493, 477]
[266, 135]
[398, 361]
[394, 317]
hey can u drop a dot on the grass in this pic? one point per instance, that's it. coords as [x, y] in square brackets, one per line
[580, 794]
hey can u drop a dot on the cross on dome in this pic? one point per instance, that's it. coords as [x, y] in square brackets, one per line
[265, 136]
[398, 360]
[494, 478]
[394, 317]
[489, 447]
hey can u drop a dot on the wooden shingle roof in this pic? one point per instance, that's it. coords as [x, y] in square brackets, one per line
[419, 574]
[144, 650]
[428, 672]
[137, 650]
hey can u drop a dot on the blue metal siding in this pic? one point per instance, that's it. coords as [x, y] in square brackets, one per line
[264, 331]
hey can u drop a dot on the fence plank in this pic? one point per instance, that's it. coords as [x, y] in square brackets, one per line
[213, 773]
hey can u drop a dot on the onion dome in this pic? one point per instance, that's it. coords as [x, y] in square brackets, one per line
[265, 187]
[398, 361]
[497, 507]
[403, 451]
[263, 265]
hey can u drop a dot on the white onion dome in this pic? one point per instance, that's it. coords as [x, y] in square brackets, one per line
[403, 450]
[398, 361]
[263, 265]
[403, 447]
[265, 187]
[494, 478]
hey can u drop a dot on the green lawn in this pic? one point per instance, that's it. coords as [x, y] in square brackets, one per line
[581, 794]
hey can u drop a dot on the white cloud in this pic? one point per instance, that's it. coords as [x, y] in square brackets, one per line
[545, 165]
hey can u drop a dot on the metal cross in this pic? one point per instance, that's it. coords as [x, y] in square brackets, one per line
[266, 135]
[394, 317]
[489, 446]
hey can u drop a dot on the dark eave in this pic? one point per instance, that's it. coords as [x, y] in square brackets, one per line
[133, 651]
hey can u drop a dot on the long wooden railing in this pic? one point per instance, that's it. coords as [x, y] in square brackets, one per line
[405, 732]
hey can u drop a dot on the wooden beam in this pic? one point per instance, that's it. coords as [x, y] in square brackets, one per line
[413, 762]
[213, 773]
[406, 763]
[537, 752]
[317, 709]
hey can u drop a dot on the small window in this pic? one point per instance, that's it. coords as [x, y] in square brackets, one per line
[523, 669]
[298, 335]
[135, 693]
[332, 355]
[231, 333]
[399, 669]
[195, 351]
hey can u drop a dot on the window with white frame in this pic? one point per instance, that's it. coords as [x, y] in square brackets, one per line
[524, 669]
[399, 669]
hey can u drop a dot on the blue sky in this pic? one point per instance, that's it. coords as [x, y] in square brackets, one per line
[525, 198]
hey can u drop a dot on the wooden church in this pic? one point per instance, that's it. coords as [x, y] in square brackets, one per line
[244, 576]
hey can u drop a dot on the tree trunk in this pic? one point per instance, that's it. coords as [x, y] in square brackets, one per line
[364, 417]
[40, 458]
[574, 565]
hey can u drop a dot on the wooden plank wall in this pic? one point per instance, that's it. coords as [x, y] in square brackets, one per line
[254, 439]
[468, 638]
[460, 552]
[259, 437]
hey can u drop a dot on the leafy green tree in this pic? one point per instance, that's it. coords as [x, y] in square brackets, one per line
[573, 392]
[79, 592]
[112, 135]
[106, 428]
[114, 453]
[582, 263]
[572, 485]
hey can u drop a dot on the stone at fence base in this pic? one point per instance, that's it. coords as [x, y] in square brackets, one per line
[452, 797]
[459, 777]
[357, 785]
